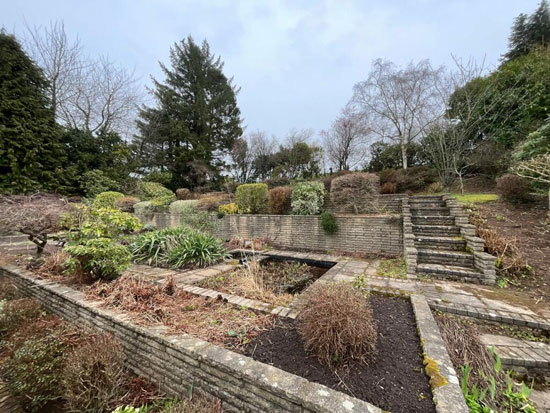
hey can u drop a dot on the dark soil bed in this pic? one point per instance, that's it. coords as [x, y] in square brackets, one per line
[394, 381]
[525, 223]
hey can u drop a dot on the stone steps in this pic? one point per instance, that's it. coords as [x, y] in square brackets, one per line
[451, 272]
[433, 220]
[436, 230]
[440, 243]
[445, 257]
[429, 211]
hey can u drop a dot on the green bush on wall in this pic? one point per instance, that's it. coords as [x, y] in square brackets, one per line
[307, 198]
[107, 199]
[183, 207]
[252, 198]
[328, 222]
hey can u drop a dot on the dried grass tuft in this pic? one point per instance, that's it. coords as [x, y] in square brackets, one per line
[336, 324]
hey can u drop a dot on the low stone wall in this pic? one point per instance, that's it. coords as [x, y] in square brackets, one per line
[360, 233]
[176, 362]
[388, 203]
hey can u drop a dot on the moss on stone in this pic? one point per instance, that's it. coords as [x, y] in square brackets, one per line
[432, 370]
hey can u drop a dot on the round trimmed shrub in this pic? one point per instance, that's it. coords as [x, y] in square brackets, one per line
[356, 192]
[307, 198]
[336, 324]
[512, 188]
[151, 190]
[144, 207]
[279, 200]
[328, 222]
[107, 199]
[126, 204]
[252, 198]
[183, 194]
[183, 207]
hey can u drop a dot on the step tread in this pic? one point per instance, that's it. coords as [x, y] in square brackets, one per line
[458, 270]
[438, 238]
[444, 252]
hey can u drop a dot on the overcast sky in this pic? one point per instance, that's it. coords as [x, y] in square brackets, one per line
[295, 61]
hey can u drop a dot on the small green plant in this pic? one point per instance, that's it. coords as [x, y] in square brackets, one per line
[229, 209]
[152, 190]
[152, 247]
[392, 268]
[329, 223]
[99, 258]
[183, 207]
[252, 198]
[307, 198]
[360, 283]
[107, 199]
[196, 249]
[108, 223]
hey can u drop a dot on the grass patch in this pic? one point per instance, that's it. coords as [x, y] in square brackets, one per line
[392, 268]
[475, 198]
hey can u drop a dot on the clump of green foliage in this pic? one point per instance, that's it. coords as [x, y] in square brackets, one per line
[201, 221]
[252, 198]
[307, 198]
[107, 199]
[393, 268]
[98, 258]
[144, 207]
[184, 207]
[177, 247]
[475, 198]
[329, 223]
[230, 209]
[95, 182]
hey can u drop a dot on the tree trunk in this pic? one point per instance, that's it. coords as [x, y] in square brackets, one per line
[404, 155]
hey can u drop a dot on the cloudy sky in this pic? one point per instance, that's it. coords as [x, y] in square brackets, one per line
[295, 61]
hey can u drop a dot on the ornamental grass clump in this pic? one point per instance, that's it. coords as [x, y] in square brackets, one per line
[336, 324]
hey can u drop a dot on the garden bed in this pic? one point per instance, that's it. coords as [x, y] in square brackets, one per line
[394, 381]
[271, 280]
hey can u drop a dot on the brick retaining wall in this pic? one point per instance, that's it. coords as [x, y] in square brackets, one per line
[175, 362]
[362, 234]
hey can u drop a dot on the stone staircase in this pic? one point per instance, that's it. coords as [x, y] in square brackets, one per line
[442, 251]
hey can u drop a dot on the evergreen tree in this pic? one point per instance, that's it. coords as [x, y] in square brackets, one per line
[529, 31]
[29, 147]
[196, 120]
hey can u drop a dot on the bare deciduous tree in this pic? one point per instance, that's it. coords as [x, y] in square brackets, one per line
[91, 95]
[346, 141]
[456, 130]
[536, 169]
[399, 103]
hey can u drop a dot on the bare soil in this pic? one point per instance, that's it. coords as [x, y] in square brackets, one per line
[394, 381]
[526, 223]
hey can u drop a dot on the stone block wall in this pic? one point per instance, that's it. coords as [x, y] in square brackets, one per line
[360, 234]
[176, 362]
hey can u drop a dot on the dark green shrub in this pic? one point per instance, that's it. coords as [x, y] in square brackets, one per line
[196, 248]
[252, 198]
[328, 222]
[95, 182]
[162, 203]
[162, 178]
[126, 204]
[356, 192]
[275, 182]
[513, 188]
[151, 190]
[107, 199]
[98, 258]
[279, 200]
[93, 375]
[307, 198]
[33, 371]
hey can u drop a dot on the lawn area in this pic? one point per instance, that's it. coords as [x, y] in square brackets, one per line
[475, 198]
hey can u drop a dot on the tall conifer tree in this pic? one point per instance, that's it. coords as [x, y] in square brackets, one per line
[196, 119]
[29, 147]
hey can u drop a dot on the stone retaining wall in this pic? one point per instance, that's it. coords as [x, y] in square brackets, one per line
[360, 234]
[176, 362]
